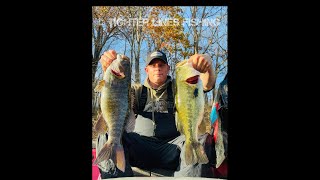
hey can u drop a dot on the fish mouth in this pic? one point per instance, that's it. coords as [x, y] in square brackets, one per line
[193, 79]
[117, 74]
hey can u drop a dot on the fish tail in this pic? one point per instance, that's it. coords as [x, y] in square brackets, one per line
[189, 154]
[118, 157]
[104, 153]
[201, 155]
[113, 152]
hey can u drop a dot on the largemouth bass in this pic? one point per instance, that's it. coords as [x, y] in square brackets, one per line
[189, 102]
[115, 109]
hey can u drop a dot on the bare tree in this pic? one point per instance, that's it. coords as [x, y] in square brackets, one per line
[102, 31]
[133, 34]
[209, 36]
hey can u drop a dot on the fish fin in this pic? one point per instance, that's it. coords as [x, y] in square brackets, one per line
[99, 86]
[201, 155]
[189, 154]
[104, 153]
[118, 157]
[101, 126]
[203, 127]
[130, 122]
[179, 128]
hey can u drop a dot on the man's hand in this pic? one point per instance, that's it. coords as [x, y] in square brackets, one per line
[201, 62]
[107, 58]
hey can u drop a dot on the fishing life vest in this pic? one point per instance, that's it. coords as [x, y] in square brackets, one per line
[156, 124]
